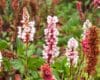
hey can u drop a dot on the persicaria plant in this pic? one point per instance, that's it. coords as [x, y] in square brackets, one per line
[49, 39]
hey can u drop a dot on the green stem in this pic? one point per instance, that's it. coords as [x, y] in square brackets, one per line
[26, 65]
[71, 66]
[88, 77]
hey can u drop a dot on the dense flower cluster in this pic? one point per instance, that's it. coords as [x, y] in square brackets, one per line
[50, 49]
[47, 72]
[71, 52]
[0, 58]
[26, 31]
[90, 48]
[87, 24]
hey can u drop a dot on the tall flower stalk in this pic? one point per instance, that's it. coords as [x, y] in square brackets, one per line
[72, 54]
[50, 49]
[90, 47]
[26, 32]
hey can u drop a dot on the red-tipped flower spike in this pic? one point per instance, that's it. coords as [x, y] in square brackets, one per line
[79, 8]
[90, 48]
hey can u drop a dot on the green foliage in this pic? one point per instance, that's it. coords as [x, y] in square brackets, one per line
[18, 65]
[3, 44]
[60, 68]
[7, 64]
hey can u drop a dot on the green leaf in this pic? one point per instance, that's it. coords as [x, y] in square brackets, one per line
[35, 63]
[35, 74]
[56, 74]
[39, 51]
[31, 50]
[20, 47]
[7, 65]
[3, 44]
[18, 65]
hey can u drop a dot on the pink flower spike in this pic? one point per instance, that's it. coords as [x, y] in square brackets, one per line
[72, 43]
[50, 49]
[27, 30]
[71, 52]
